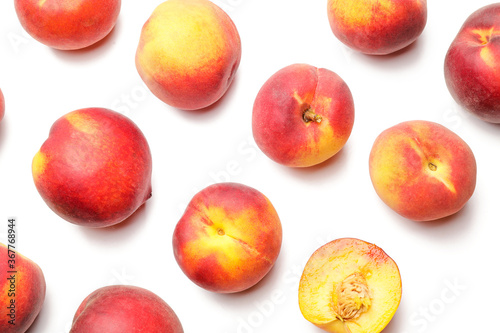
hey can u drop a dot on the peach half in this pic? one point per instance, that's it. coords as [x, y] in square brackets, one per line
[228, 238]
[422, 170]
[350, 286]
[302, 115]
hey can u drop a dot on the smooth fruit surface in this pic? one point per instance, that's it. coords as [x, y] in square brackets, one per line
[22, 291]
[228, 238]
[377, 26]
[95, 168]
[350, 286]
[302, 115]
[422, 170]
[2, 105]
[472, 64]
[188, 53]
[125, 309]
[68, 24]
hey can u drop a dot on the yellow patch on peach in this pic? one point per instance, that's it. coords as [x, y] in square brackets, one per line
[488, 57]
[224, 231]
[38, 164]
[83, 123]
[361, 13]
[188, 57]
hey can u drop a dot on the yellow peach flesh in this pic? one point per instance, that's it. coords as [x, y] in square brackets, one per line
[354, 288]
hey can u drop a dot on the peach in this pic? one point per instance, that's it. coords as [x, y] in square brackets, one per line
[472, 64]
[377, 27]
[422, 170]
[2, 105]
[68, 24]
[228, 238]
[350, 286]
[119, 309]
[188, 53]
[22, 290]
[302, 115]
[95, 168]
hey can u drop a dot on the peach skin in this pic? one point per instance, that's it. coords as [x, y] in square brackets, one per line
[95, 168]
[125, 309]
[422, 170]
[188, 53]
[350, 286]
[302, 115]
[377, 27]
[228, 238]
[472, 64]
[68, 24]
[2, 105]
[22, 291]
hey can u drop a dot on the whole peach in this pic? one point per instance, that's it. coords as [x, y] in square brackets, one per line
[472, 65]
[22, 286]
[188, 53]
[228, 238]
[95, 168]
[422, 170]
[120, 309]
[302, 115]
[68, 24]
[377, 26]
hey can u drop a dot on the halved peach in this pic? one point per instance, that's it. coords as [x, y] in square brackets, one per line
[350, 286]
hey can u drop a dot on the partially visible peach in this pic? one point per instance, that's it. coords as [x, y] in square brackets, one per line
[68, 24]
[228, 238]
[125, 309]
[95, 167]
[22, 291]
[377, 26]
[350, 286]
[188, 53]
[472, 64]
[2, 105]
[422, 170]
[302, 115]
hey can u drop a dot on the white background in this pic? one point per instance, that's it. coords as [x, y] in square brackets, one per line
[448, 267]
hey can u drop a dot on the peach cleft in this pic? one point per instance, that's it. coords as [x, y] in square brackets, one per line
[228, 238]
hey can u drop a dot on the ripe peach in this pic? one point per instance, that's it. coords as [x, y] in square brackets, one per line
[377, 26]
[302, 115]
[68, 24]
[228, 238]
[119, 309]
[22, 291]
[2, 105]
[95, 168]
[188, 53]
[350, 286]
[472, 65]
[422, 170]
